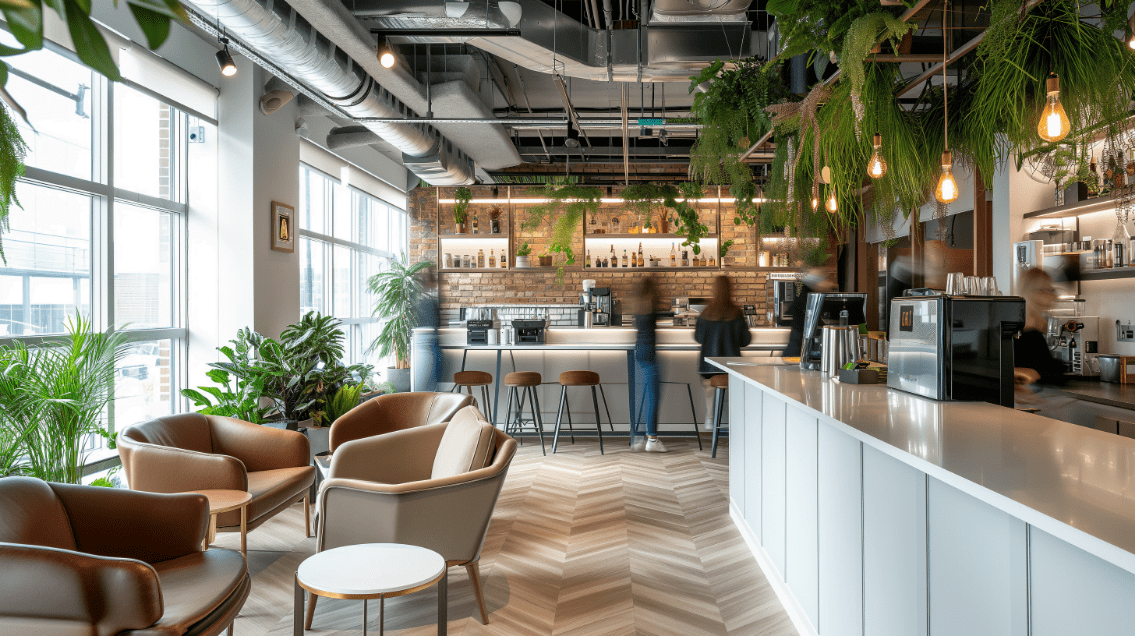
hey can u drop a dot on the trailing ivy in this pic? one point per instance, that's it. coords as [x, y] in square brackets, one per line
[13, 149]
[648, 198]
[564, 209]
[689, 225]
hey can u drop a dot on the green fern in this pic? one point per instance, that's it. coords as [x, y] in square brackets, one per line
[564, 209]
[13, 149]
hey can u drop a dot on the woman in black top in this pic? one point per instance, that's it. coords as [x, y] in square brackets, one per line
[722, 331]
[1032, 358]
[646, 321]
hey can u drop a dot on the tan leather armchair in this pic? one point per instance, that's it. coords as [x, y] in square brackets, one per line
[432, 486]
[101, 561]
[395, 412]
[178, 453]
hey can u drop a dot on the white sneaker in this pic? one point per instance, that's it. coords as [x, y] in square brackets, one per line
[639, 445]
[707, 425]
[655, 446]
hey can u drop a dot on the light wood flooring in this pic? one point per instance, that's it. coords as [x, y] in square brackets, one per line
[580, 544]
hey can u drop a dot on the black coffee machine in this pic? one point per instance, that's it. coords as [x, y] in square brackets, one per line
[529, 331]
[606, 310]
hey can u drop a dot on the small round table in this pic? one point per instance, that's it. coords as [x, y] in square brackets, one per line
[227, 501]
[369, 571]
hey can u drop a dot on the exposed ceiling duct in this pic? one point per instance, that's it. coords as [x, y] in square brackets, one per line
[278, 33]
[682, 37]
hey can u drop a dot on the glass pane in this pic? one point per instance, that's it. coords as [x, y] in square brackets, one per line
[379, 230]
[367, 267]
[311, 275]
[397, 231]
[341, 293]
[144, 383]
[143, 267]
[342, 226]
[48, 273]
[313, 200]
[145, 145]
[56, 92]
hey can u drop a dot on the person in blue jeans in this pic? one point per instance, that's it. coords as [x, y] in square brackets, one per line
[646, 359]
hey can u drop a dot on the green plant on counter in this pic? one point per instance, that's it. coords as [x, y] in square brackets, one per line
[461, 205]
[399, 293]
[646, 199]
[689, 225]
[566, 205]
[54, 397]
[524, 250]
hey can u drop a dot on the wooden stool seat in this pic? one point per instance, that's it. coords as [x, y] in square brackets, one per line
[579, 378]
[472, 378]
[719, 381]
[523, 378]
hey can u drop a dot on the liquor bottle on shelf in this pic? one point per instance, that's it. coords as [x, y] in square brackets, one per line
[480, 256]
[640, 261]
[504, 264]
[611, 258]
[492, 258]
[587, 263]
[634, 259]
[625, 258]
[475, 223]
[685, 258]
[673, 255]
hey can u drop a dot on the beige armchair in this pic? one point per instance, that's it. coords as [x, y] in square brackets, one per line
[395, 412]
[191, 451]
[101, 561]
[432, 486]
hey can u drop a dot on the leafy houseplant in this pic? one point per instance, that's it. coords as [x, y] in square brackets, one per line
[646, 199]
[689, 225]
[522, 254]
[564, 208]
[345, 399]
[461, 208]
[399, 295]
[56, 395]
[239, 391]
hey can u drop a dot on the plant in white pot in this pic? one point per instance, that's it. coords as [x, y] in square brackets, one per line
[399, 295]
[522, 254]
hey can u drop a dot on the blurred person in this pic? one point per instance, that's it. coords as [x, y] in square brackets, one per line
[1034, 366]
[646, 359]
[816, 280]
[721, 331]
[429, 317]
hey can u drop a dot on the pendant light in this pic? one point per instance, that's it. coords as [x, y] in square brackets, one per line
[385, 54]
[225, 59]
[876, 165]
[947, 189]
[832, 204]
[1053, 125]
[1131, 32]
[815, 203]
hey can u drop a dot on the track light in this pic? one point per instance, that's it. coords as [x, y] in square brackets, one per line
[225, 60]
[572, 140]
[385, 54]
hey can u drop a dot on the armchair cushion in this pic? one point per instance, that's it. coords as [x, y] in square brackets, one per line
[467, 445]
[31, 514]
[395, 412]
[188, 431]
[195, 586]
[270, 489]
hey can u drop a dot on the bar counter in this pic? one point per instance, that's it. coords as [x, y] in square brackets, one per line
[875, 511]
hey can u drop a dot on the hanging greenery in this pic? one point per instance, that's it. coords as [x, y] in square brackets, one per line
[564, 209]
[646, 199]
[13, 149]
[861, 37]
[689, 225]
[820, 25]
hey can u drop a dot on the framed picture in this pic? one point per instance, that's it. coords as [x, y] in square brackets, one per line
[283, 227]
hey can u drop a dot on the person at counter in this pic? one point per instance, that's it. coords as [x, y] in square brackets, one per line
[646, 359]
[1034, 366]
[721, 331]
[815, 281]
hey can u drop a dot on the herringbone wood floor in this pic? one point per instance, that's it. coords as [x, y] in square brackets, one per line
[580, 544]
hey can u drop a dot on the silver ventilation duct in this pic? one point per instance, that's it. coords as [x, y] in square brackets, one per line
[277, 32]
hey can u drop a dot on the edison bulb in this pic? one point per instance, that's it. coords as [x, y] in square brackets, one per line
[815, 203]
[876, 165]
[947, 190]
[1053, 125]
[832, 205]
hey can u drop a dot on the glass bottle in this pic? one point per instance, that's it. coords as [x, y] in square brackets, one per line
[616, 225]
[504, 264]
[475, 223]
[641, 262]
[480, 254]
[592, 225]
[673, 255]
[492, 258]
[587, 263]
[612, 259]
[624, 258]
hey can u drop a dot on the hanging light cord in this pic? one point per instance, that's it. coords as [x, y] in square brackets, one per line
[945, 92]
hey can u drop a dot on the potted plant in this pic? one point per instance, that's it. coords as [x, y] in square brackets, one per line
[399, 292]
[522, 254]
[53, 398]
[545, 260]
[461, 208]
[564, 208]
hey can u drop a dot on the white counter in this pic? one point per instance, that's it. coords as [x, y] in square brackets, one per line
[884, 513]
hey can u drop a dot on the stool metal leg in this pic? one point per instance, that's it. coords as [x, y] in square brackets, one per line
[518, 427]
[718, 402]
[559, 417]
[609, 422]
[598, 422]
[508, 412]
[571, 429]
[537, 418]
[694, 414]
[485, 394]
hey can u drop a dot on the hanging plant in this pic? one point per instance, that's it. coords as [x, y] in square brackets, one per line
[13, 149]
[861, 37]
[565, 208]
[807, 26]
[647, 198]
[689, 225]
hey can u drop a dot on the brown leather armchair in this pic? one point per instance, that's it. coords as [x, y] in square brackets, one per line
[432, 486]
[178, 453]
[101, 561]
[395, 412]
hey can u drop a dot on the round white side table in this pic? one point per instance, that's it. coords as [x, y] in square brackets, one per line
[370, 571]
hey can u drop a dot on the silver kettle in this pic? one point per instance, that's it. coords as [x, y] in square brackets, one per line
[840, 346]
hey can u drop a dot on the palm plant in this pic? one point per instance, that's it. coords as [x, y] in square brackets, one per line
[399, 292]
[60, 391]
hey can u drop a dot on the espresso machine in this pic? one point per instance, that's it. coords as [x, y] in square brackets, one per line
[824, 309]
[608, 312]
[1074, 340]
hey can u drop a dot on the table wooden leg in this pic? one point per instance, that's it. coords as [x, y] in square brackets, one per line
[306, 516]
[443, 604]
[243, 531]
[311, 599]
[211, 535]
[297, 609]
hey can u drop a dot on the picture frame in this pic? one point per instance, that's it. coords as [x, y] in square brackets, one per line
[283, 227]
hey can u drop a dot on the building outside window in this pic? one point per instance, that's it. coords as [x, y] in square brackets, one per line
[345, 237]
[100, 230]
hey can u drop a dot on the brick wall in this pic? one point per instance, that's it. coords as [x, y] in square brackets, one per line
[539, 287]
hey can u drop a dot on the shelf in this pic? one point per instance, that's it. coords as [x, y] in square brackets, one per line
[707, 268]
[474, 237]
[458, 270]
[753, 268]
[1088, 206]
[1106, 274]
[620, 237]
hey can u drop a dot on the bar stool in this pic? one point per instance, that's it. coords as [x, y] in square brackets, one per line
[470, 379]
[721, 384]
[642, 403]
[578, 378]
[522, 384]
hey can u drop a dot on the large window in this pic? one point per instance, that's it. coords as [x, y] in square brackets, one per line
[101, 224]
[346, 236]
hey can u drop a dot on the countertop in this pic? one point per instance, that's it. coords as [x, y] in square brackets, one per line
[1073, 482]
[1117, 395]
